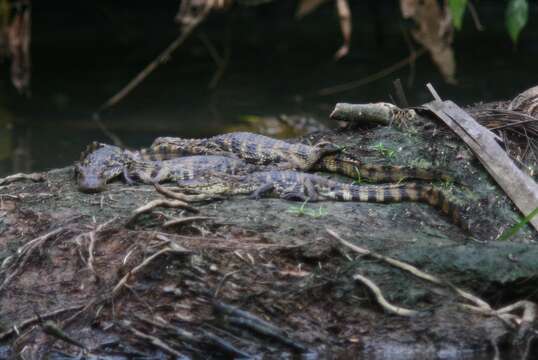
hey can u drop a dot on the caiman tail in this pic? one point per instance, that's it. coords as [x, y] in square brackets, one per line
[404, 192]
[353, 168]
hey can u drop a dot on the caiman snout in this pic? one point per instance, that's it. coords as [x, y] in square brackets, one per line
[91, 184]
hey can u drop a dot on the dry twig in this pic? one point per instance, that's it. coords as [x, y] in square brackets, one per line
[21, 176]
[180, 221]
[168, 192]
[161, 59]
[146, 262]
[34, 320]
[153, 340]
[159, 203]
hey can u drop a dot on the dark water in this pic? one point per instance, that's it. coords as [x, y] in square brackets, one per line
[83, 54]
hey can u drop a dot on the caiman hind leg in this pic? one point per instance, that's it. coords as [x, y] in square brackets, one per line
[263, 189]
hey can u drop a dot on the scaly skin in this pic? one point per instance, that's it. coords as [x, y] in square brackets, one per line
[259, 149]
[294, 185]
[99, 163]
[348, 166]
[253, 148]
[185, 168]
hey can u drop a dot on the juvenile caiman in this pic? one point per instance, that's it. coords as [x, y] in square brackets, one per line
[100, 163]
[185, 168]
[293, 185]
[263, 150]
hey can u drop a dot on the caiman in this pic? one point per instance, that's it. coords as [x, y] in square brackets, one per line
[185, 168]
[263, 150]
[293, 185]
[100, 163]
[253, 148]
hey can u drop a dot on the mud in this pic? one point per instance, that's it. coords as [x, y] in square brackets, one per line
[269, 257]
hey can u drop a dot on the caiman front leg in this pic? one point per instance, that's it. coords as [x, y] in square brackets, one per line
[321, 150]
[128, 179]
[265, 188]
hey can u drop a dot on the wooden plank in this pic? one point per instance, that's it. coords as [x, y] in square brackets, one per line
[519, 186]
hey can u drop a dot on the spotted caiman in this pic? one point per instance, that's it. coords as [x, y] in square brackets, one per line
[185, 168]
[262, 150]
[293, 185]
[100, 163]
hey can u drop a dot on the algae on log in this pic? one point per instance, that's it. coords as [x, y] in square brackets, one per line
[265, 256]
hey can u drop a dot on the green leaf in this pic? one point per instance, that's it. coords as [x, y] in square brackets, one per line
[457, 9]
[517, 15]
[511, 231]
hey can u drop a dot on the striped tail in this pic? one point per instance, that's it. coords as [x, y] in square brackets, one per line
[405, 192]
[161, 152]
[346, 165]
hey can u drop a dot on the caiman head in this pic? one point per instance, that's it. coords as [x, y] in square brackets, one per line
[99, 163]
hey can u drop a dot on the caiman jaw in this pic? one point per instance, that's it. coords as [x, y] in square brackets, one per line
[93, 186]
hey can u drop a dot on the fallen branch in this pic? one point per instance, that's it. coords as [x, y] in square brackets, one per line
[376, 113]
[21, 176]
[244, 319]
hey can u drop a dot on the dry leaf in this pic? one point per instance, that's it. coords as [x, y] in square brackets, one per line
[307, 6]
[434, 31]
[344, 14]
[18, 41]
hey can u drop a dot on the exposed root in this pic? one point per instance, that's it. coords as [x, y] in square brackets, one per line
[522, 322]
[24, 253]
[92, 235]
[204, 339]
[248, 321]
[171, 249]
[153, 340]
[388, 307]
[15, 329]
[54, 330]
[159, 203]
[168, 192]
[21, 176]
[412, 270]
[181, 221]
